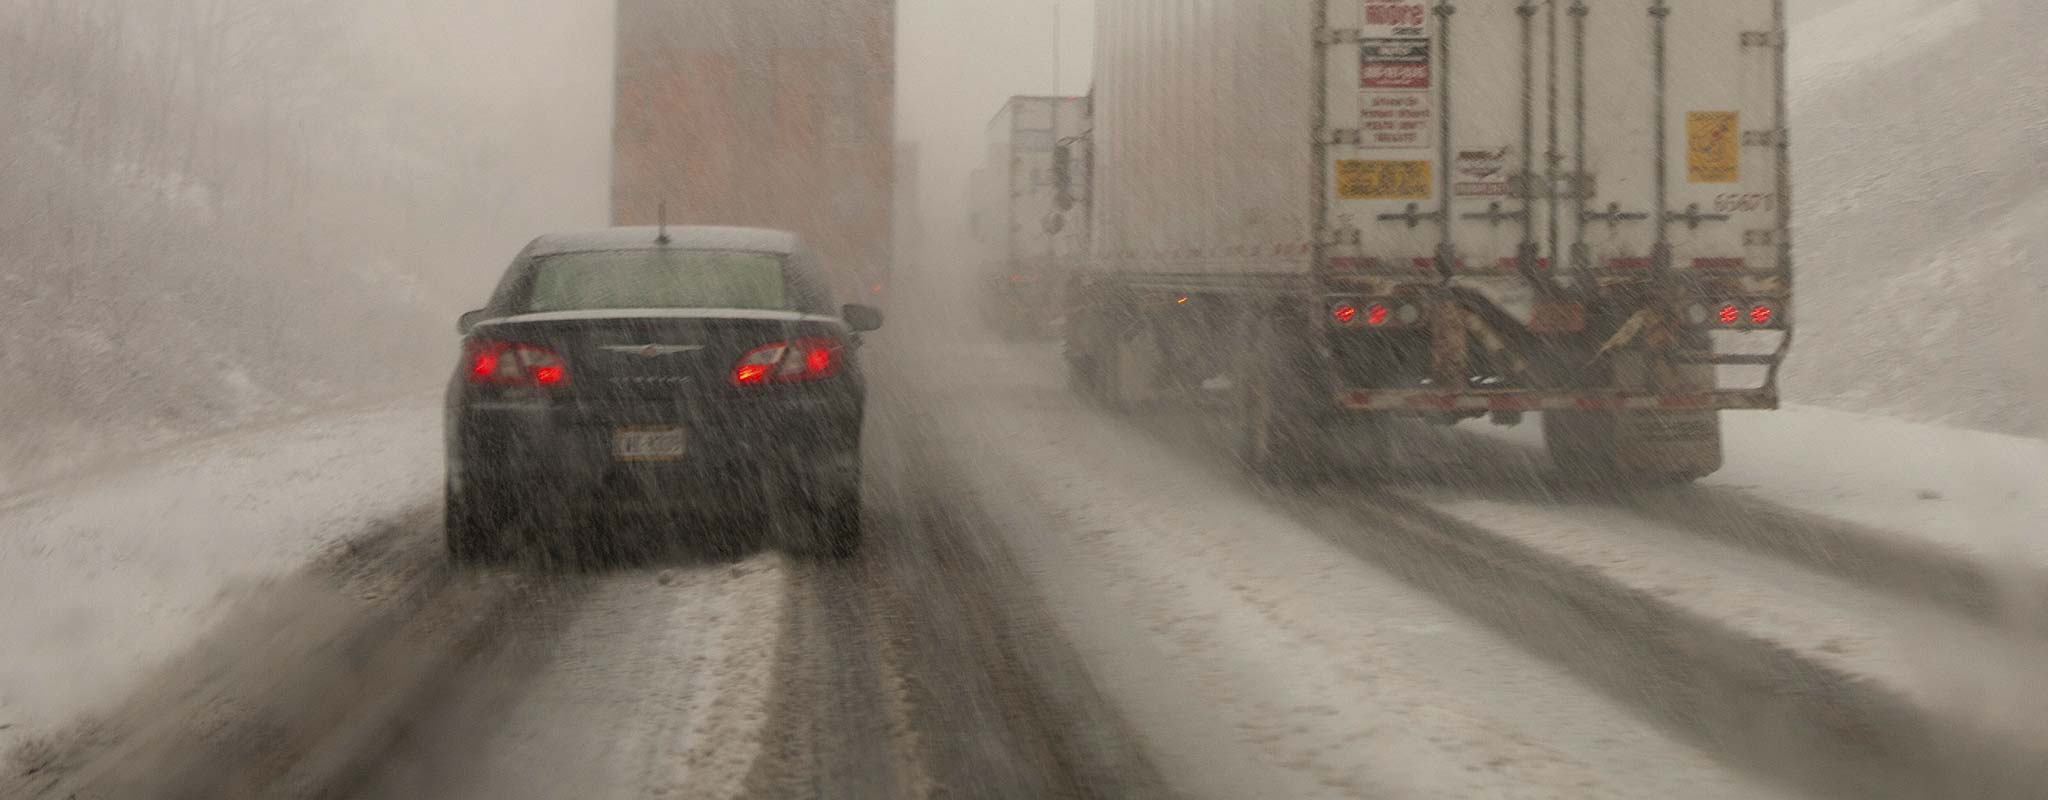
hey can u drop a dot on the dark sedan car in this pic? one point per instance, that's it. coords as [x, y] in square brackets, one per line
[694, 367]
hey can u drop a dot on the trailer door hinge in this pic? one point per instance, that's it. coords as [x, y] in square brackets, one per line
[1332, 36]
[1413, 216]
[1768, 138]
[1773, 39]
[1613, 216]
[1494, 215]
[1694, 218]
[1578, 186]
[1340, 136]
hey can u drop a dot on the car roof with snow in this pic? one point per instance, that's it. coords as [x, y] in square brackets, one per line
[686, 237]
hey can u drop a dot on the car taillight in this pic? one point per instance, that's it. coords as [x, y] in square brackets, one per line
[808, 359]
[515, 364]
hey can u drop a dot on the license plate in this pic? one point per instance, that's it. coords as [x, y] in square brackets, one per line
[649, 444]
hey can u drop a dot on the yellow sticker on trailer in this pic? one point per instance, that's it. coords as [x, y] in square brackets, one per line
[1713, 150]
[1383, 180]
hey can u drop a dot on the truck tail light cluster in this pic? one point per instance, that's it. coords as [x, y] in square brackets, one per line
[1736, 315]
[1375, 314]
[808, 359]
[494, 363]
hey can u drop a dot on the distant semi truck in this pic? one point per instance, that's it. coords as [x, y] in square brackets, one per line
[762, 114]
[1030, 226]
[1325, 212]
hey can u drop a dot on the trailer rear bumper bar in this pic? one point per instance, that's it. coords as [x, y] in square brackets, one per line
[1427, 402]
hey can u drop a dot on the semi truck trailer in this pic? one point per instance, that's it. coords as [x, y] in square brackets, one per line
[1326, 215]
[1029, 224]
[762, 114]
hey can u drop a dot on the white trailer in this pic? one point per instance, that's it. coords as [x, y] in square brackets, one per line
[1029, 232]
[1359, 208]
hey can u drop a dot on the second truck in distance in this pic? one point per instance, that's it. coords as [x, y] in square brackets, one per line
[1030, 211]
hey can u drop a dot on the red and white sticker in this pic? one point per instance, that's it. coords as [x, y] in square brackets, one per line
[1387, 19]
[1394, 64]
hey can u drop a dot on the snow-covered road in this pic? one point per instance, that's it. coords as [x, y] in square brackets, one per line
[1255, 656]
[1060, 601]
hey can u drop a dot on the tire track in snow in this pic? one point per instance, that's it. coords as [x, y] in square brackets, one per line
[658, 684]
[1260, 659]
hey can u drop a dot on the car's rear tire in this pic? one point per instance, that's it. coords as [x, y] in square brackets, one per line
[471, 531]
[840, 529]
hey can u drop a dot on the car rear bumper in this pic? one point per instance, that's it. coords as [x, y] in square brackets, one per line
[729, 456]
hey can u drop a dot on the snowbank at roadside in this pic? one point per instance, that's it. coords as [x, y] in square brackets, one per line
[105, 576]
[1976, 495]
[1920, 146]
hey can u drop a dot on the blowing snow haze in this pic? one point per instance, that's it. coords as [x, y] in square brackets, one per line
[221, 211]
[1023, 398]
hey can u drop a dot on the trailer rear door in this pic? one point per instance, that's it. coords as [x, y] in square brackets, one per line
[1487, 136]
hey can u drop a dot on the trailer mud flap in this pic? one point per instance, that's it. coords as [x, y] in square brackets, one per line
[1671, 444]
[1640, 446]
[1668, 443]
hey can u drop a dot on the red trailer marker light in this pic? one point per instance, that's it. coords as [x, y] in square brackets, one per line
[1762, 315]
[1731, 314]
[1378, 316]
[1345, 314]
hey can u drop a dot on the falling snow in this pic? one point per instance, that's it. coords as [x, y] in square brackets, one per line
[1121, 511]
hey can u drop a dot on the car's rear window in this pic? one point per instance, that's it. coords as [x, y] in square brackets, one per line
[658, 279]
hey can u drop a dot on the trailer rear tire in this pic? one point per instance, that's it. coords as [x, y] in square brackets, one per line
[1645, 449]
[1277, 436]
[1581, 443]
[1091, 353]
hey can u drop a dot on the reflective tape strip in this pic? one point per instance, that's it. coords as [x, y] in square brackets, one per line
[1362, 400]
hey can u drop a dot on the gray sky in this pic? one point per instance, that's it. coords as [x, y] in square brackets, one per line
[957, 61]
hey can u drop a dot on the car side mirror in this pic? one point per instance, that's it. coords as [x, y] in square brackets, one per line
[862, 319]
[468, 321]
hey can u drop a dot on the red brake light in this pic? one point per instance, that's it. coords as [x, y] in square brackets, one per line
[1378, 316]
[1762, 315]
[808, 359]
[515, 364]
[483, 365]
[1345, 313]
[819, 361]
[1731, 314]
[751, 374]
